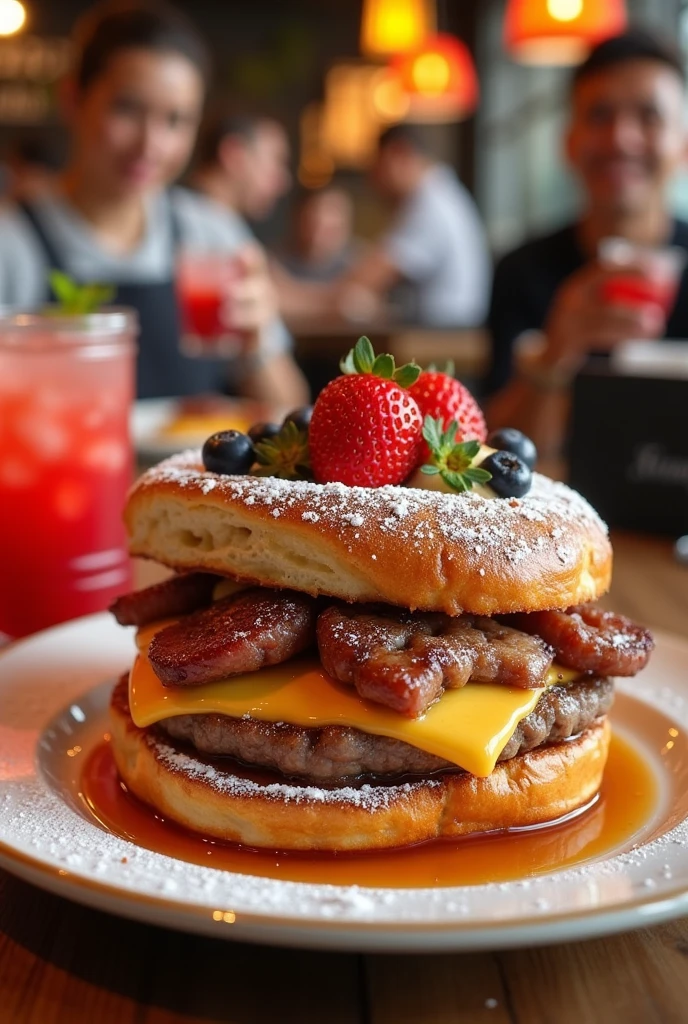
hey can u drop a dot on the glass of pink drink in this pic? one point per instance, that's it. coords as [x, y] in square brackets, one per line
[66, 388]
[645, 275]
[204, 285]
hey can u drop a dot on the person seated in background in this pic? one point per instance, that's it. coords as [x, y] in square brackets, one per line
[321, 246]
[243, 164]
[436, 248]
[625, 141]
[133, 104]
[432, 265]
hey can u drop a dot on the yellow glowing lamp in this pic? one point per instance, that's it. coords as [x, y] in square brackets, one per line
[12, 17]
[390, 27]
[558, 32]
[439, 80]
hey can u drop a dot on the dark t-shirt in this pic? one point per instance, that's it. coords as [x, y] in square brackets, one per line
[525, 283]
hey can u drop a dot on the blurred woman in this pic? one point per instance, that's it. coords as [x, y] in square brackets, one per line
[133, 106]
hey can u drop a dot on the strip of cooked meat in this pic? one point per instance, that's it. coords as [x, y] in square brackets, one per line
[240, 633]
[590, 639]
[337, 753]
[405, 660]
[177, 596]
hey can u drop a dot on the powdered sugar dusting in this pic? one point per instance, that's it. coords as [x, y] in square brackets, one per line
[479, 523]
[369, 798]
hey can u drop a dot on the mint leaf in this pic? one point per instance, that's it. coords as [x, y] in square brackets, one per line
[78, 299]
[64, 288]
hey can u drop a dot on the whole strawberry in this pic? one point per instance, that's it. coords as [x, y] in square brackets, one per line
[366, 427]
[441, 396]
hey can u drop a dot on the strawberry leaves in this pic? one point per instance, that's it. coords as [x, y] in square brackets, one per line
[448, 368]
[285, 455]
[451, 459]
[362, 359]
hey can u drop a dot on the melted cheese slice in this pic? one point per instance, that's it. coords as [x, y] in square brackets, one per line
[469, 727]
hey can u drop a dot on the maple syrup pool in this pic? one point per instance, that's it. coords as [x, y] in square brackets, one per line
[625, 803]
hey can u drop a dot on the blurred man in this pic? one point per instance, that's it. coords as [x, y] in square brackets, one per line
[625, 141]
[244, 165]
[436, 247]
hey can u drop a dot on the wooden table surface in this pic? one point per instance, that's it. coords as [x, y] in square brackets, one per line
[64, 964]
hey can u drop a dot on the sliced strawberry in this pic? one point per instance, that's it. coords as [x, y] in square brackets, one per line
[366, 427]
[448, 400]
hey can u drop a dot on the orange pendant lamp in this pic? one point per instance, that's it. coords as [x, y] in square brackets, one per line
[389, 27]
[558, 32]
[439, 80]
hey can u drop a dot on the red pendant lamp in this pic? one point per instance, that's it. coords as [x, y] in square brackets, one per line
[439, 79]
[556, 32]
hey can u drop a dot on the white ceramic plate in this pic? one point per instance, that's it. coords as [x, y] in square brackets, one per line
[53, 701]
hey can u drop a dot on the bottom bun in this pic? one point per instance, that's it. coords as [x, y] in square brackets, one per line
[236, 806]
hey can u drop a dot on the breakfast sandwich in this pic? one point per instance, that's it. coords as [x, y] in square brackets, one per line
[381, 628]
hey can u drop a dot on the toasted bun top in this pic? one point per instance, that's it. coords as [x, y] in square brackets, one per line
[413, 548]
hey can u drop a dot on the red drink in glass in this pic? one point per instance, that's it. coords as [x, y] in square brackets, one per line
[66, 387]
[644, 276]
[201, 312]
[634, 290]
[204, 283]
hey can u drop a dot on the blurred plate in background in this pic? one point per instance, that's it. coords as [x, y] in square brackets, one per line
[163, 426]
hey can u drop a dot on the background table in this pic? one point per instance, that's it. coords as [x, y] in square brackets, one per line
[319, 347]
[64, 964]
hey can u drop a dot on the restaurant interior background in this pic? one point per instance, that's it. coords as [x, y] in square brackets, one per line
[303, 62]
[292, 59]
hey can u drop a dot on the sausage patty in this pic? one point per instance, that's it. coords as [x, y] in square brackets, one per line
[337, 753]
[178, 595]
[240, 633]
[404, 660]
[590, 639]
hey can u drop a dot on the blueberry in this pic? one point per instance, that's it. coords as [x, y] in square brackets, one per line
[508, 439]
[230, 451]
[263, 431]
[511, 477]
[300, 417]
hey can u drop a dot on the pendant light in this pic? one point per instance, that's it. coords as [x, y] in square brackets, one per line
[12, 17]
[439, 79]
[559, 32]
[389, 27]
